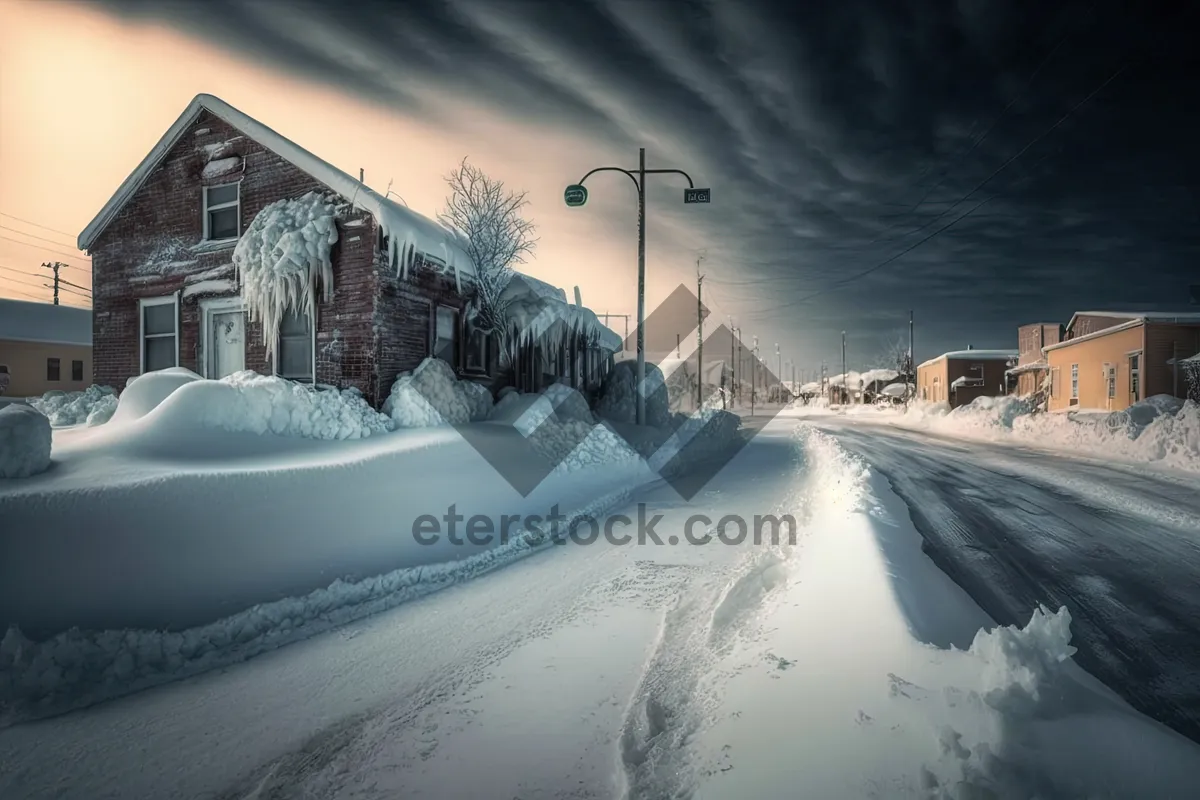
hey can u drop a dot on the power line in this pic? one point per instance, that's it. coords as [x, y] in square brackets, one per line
[70, 291]
[4, 268]
[36, 225]
[45, 249]
[25, 283]
[32, 236]
[26, 294]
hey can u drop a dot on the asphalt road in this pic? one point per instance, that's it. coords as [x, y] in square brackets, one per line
[1119, 546]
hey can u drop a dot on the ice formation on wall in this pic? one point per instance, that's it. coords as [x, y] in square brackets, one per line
[282, 259]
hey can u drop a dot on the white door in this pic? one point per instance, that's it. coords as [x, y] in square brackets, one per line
[226, 342]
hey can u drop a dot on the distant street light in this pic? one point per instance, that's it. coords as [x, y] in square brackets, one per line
[576, 195]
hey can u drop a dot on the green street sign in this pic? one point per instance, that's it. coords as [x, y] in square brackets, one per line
[575, 195]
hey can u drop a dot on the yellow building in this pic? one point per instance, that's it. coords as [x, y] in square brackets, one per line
[44, 347]
[1110, 360]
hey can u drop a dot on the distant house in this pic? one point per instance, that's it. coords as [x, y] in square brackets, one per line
[44, 347]
[1112, 359]
[1031, 369]
[166, 291]
[960, 376]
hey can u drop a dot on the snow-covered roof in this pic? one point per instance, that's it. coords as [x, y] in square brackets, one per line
[1124, 326]
[1151, 316]
[21, 321]
[981, 355]
[873, 375]
[400, 223]
[534, 307]
[895, 390]
[812, 387]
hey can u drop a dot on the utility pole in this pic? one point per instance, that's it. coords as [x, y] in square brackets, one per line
[733, 340]
[55, 266]
[779, 366]
[912, 364]
[845, 380]
[576, 195]
[753, 374]
[699, 336]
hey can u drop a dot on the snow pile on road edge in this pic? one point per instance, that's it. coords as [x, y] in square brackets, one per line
[1159, 430]
[77, 668]
[95, 405]
[25, 441]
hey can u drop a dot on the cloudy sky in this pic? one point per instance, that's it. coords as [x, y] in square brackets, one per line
[982, 163]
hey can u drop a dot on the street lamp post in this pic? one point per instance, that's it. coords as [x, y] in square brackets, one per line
[576, 195]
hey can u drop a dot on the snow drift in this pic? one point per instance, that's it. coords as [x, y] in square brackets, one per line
[93, 406]
[25, 439]
[432, 395]
[618, 398]
[177, 400]
[1158, 430]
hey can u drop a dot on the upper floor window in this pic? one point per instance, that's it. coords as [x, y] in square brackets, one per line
[222, 212]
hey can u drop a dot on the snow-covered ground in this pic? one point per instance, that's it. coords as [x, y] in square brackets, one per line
[816, 669]
[1161, 430]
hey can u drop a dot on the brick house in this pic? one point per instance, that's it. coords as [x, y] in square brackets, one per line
[961, 376]
[1109, 360]
[166, 293]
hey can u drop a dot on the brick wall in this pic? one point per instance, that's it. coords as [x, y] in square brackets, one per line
[153, 248]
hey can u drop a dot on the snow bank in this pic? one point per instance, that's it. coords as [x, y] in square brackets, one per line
[144, 393]
[247, 402]
[24, 441]
[93, 406]
[79, 668]
[432, 395]
[699, 436]
[283, 257]
[618, 399]
[1159, 430]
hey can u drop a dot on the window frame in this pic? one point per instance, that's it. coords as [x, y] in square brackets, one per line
[78, 361]
[207, 209]
[144, 303]
[468, 332]
[312, 344]
[458, 338]
[56, 375]
[1075, 382]
[1135, 375]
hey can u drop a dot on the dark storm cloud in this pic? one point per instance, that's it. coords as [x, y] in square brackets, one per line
[834, 134]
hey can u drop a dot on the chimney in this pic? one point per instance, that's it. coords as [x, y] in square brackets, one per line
[578, 298]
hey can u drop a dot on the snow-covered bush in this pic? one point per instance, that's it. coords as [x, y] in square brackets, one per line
[283, 258]
[94, 406]
[568, 403]
[618, 398]
[24, 441]
[144, 393]
[252, 403]
[432, 395]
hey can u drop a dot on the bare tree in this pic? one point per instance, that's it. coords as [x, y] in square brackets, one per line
[893, 354]
[497, 236]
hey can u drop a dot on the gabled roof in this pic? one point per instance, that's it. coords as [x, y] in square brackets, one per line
[45, 323]
[1144, 316]
[397, 221]
[982, 355]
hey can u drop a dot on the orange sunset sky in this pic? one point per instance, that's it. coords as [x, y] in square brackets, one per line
[84, 97]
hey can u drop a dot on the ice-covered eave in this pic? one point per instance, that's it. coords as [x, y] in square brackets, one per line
[531, 319]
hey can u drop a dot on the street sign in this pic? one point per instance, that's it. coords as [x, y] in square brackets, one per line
[697, 195]
[575, 195]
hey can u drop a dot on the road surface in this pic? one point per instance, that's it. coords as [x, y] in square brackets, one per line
[1016, 526]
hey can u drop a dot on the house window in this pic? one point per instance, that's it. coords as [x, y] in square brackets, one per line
[1075, 382]
[1110, 380]
[476, 353]
[160, 333]
[445, 343]
[222, 212]
[76, 370]
[52, 369]
[294, 355]
[1135, 376]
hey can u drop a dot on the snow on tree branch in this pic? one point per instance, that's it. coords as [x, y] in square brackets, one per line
[489, 218]
[282, 259]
